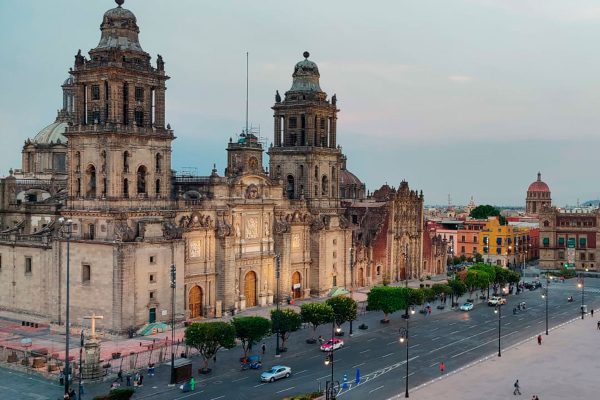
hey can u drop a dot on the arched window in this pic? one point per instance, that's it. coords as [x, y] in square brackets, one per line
[126, 161]
[158, 162]
[141, 180]
[125, 188]
[324, 185]
[278, 171]
[90, 174]
[158, 186]
[290, 187]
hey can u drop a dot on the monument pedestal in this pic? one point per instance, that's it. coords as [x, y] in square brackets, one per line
[91, 368]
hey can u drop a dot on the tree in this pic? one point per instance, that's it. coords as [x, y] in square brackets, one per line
[458, 288]
[209, 337]
[250, 330]
[286, 321]
[385, 299]
[485, 211]
[478, 258]
[344, 309]
[316, 314]
[428, 294]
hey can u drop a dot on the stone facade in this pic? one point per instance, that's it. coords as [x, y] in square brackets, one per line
[118, 217]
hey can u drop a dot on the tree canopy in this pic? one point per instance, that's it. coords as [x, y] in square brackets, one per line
[344, 308]
[316, 314]
[485, 211]
[209, 337]
[286, 321]
[390, 299]
[250, 330]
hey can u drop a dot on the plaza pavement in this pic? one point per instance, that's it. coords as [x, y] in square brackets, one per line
[566, 366]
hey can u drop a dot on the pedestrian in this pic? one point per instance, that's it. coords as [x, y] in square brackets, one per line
[592, 312]
[517, 388]
[61, 376]
[264, 348]
[120, 376]
[72, 395]
[442, 367]
[215, 358]
[128, 380]
[151, 369]
[141, 380]
[540, 340]
[598, 324]
[429, 310]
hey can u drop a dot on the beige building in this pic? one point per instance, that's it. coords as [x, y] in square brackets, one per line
[105, 166]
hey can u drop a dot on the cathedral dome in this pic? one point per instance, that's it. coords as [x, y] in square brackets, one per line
[53, 133]
[306, 76]
[119, 30]
[348, 178]
[539, 185]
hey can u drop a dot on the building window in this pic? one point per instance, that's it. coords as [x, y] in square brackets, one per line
[561, 241]
[546, 242]
[152, 259]
[334, 254]
[582, 256]
[152, 278]
[86, 273]
[561, 255]
[334, 242]
[95, 92]
[151, 295]
[293, 123]
[28, 265]
[462, 249]
[379, 270]
[474, 250]
[334, 281]
[355, 219]
[582, 242]
[474, 239]
[139, 93]
[139, 117]
[463, 238]
[498, 250]
[590, 257]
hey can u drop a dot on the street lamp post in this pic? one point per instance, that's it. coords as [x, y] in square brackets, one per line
[80, 389]
[173, 284]
[406, 257]
[351, 280]
[545, 295]
[404, 337]
[498, 311]
[277, 274]
[330, 388]
[68, 223]
[581, 285]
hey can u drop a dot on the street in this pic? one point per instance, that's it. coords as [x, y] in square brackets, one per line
[457, 338]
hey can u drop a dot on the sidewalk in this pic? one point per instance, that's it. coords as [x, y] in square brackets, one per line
[564, 367]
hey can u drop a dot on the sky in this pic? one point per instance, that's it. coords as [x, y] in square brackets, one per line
[460, 98]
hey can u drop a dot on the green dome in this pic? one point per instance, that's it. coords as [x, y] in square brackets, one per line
[53, 133]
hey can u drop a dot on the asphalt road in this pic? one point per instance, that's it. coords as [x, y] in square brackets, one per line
[457, 338]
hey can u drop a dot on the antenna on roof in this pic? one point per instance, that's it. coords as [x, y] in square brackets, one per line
[246, 93]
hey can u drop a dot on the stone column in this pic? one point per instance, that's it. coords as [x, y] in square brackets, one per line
[277, 129]
[332, 133]
[159, 108]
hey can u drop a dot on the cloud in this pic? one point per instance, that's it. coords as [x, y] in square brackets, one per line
[460, 78]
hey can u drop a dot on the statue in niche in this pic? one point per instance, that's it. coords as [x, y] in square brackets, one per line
[267, 232]
[237, 229]
[237, 287]
[334, 99]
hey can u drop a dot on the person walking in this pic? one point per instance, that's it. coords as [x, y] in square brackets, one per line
[72, 395]
[120, 376]
[517, 388]
[592, 312]
[540, 340]
[264, 348]
[442, 367]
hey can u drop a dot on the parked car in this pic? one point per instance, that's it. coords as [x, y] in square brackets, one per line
[495, 300]
[336, 343]
[466, 307]
[276, 372]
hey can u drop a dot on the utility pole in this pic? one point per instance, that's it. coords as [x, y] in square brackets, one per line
[173, 284]
[277, 274]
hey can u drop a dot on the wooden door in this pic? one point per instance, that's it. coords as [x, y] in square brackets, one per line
[250, 289]
[297, 285]
[195, 302]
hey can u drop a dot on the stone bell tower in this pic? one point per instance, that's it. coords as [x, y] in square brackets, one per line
[305, 153]
[119, 148]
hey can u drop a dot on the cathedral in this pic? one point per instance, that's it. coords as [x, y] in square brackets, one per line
[96, 196]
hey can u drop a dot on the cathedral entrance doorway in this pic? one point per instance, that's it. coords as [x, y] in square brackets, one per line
[297, 285]
[250, 289]
[361, 278]
[152, 316]
[195, 302]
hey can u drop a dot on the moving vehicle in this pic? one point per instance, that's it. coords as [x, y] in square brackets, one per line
[252, 362]
[466, 307]
[495, 300]
[276, 372]
[335, 343]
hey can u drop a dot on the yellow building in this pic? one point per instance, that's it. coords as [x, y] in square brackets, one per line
[504, 245]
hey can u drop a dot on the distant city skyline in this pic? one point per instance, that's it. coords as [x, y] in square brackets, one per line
[467, 97]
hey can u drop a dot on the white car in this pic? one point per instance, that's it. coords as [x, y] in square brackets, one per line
[466, 307]
[335, 342]
[495, 300]
[276, 372]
